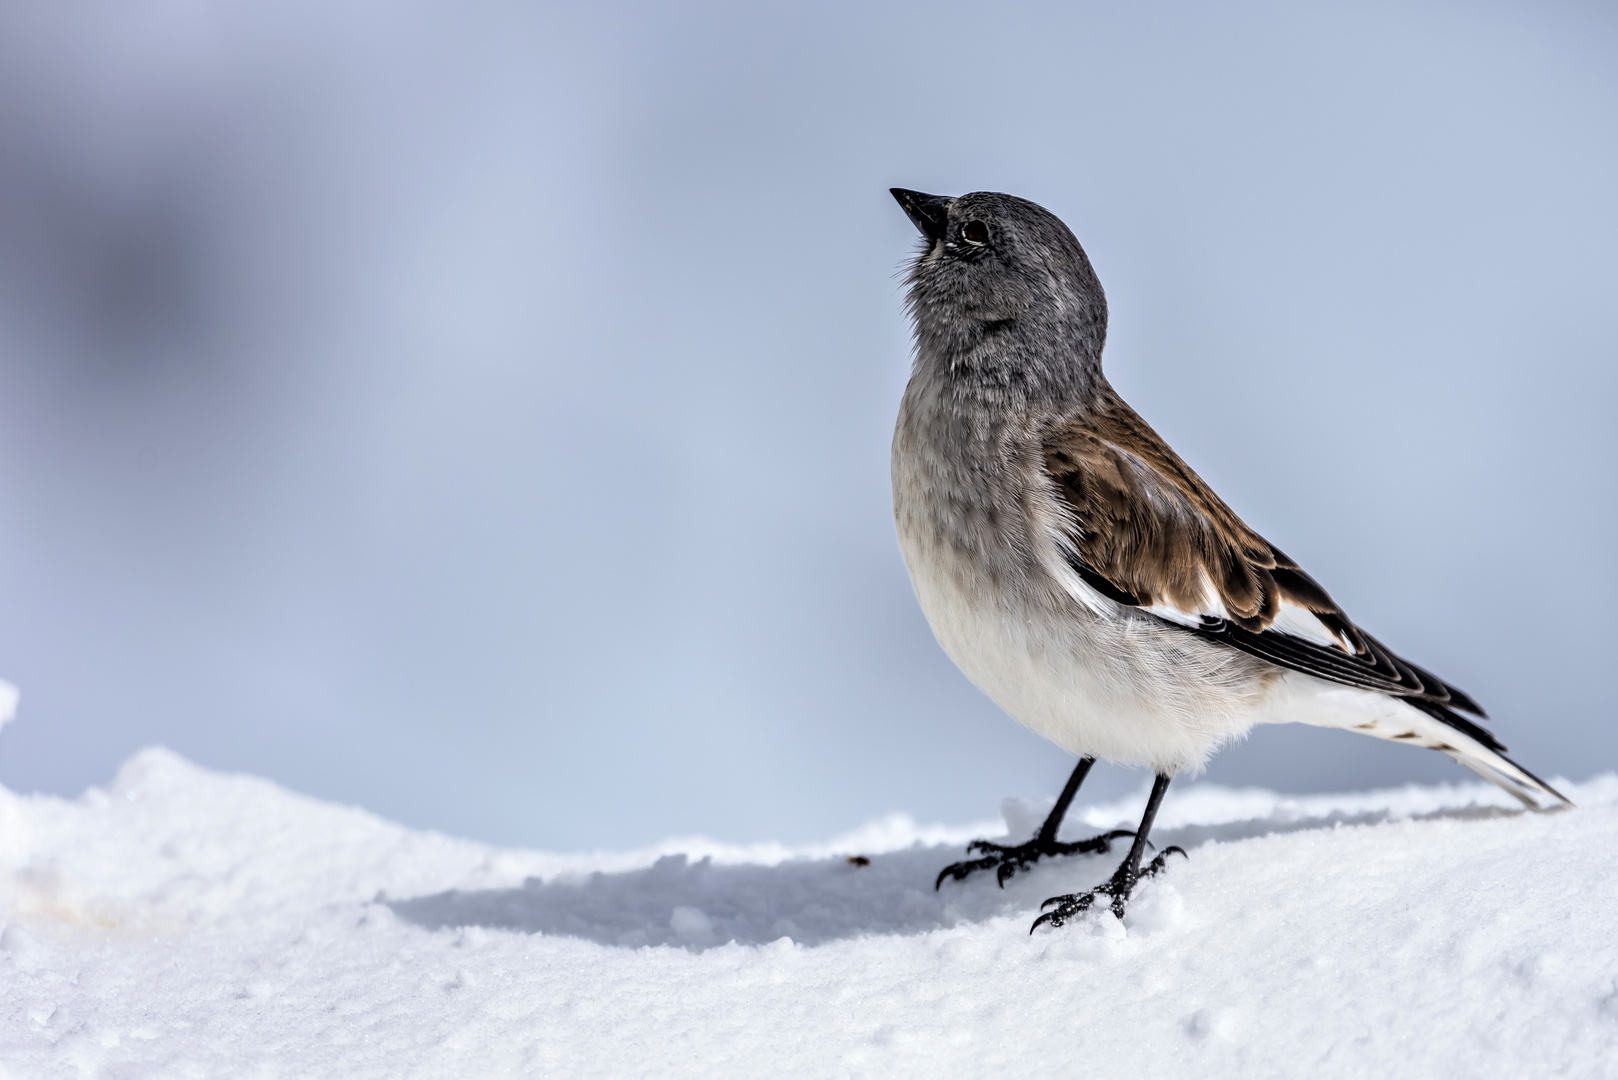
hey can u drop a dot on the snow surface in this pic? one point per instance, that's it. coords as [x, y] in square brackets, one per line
[187, 923]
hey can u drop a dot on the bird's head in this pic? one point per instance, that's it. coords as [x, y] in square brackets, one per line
[1001, 280]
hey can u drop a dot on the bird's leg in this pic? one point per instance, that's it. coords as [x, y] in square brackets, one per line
[1008, 859]
[1123, 879]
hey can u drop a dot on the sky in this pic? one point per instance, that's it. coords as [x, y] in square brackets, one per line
[480, 412]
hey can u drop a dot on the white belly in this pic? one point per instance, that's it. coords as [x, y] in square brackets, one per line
[1123, 687]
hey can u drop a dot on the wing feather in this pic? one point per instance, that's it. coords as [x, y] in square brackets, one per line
[1144, 530]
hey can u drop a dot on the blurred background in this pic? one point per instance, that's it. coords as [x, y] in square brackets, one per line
[480, 411]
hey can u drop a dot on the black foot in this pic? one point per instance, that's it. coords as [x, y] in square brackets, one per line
[1008, 860]
[1119, 888]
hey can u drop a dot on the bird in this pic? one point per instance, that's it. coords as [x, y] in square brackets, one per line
[1083, 576]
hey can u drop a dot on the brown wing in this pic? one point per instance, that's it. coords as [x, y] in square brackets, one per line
[1148, 532]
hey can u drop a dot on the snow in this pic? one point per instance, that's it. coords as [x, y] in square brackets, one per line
[182, 922]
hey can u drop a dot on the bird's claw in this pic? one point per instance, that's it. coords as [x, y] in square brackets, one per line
[960, 870]
[1008, 859]
[1119, 888]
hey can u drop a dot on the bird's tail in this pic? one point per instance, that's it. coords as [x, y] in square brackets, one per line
[1439, 728]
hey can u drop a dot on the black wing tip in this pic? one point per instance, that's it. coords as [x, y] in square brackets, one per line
[1446, 715]
[1432, 687]
[1416, 688]
[1377, 669]
[1460, 699]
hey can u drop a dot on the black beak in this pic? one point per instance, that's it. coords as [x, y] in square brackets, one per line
[929, 213]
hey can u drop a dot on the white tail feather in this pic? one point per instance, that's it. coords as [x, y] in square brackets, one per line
[1384, 717]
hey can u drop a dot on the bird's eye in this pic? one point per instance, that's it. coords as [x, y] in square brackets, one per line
[975, 232]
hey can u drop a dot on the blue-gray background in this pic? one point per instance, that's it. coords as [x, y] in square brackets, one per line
[479, 411]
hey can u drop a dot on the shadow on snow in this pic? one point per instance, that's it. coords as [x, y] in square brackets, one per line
[700, 905]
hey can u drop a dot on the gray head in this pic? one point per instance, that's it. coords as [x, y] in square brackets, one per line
[1001, 290]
